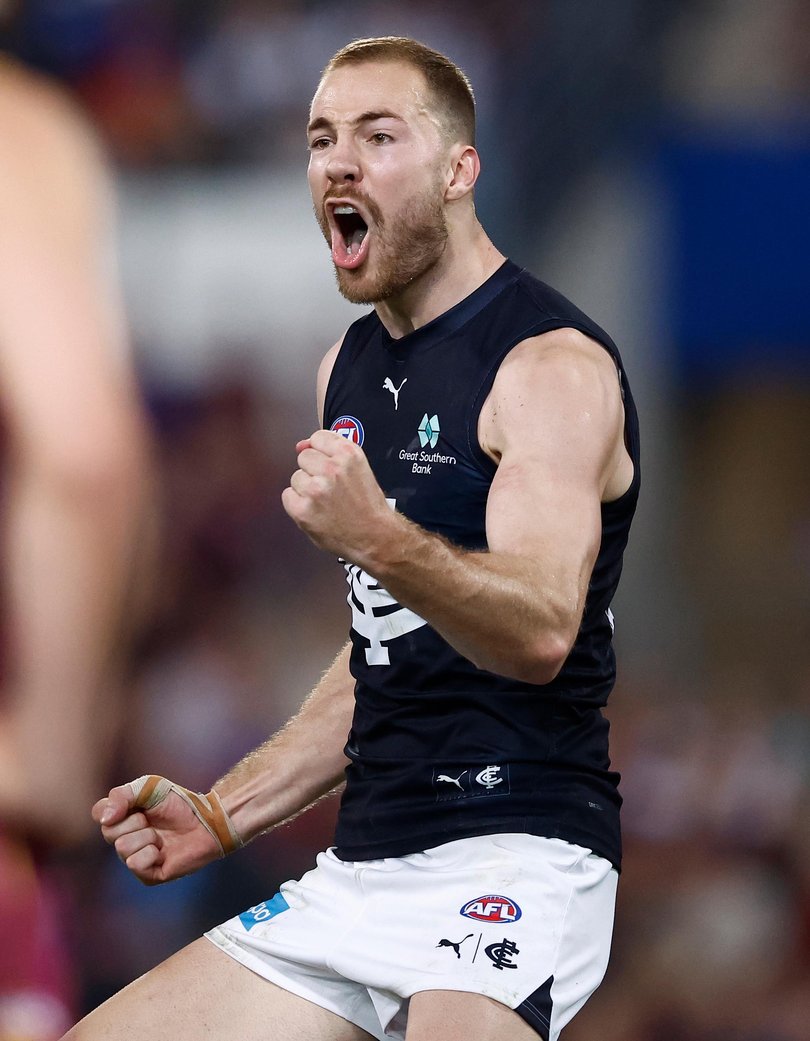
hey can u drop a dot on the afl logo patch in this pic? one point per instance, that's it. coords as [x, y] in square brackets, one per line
[498, 909]
[350, 428]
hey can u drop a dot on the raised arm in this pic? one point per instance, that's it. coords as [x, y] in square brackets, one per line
[75, 460]
[554, 424]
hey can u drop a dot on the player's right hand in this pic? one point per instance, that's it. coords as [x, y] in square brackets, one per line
[162, 837]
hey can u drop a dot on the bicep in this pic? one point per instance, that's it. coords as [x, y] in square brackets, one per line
[557, 416]
[550, 520]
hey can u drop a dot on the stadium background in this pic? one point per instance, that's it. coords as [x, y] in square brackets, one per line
[649, 159]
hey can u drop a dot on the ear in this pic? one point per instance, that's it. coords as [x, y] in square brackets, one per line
[464, 169]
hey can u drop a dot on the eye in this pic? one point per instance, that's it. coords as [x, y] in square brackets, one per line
[379, 137]
[318, 144]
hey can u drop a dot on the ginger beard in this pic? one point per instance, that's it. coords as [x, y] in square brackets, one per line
[402, 247]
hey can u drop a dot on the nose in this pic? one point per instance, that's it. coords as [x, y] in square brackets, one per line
[343, 165]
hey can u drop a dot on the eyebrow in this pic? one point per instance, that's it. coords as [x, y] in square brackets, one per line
[322, 123]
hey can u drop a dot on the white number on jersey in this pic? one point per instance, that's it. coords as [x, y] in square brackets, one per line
[376, 615]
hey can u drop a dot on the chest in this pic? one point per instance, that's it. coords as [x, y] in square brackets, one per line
[417, 422]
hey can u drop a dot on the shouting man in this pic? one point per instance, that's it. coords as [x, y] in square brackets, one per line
[476, 470]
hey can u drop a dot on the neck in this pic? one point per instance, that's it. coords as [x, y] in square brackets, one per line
[468, 260]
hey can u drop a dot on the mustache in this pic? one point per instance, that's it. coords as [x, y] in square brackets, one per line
[367, 204]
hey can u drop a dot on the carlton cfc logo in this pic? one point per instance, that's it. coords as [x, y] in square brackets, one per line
[350, 428]
[498, 909]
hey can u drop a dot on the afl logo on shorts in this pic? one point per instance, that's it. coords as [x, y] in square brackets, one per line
[350, 428]
[498, 909]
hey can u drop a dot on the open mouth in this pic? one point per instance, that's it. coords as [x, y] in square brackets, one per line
[349, 235]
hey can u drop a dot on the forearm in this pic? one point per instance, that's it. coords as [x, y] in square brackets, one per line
[298, 765]
[71, 542]
[506, 612]
[515, 609]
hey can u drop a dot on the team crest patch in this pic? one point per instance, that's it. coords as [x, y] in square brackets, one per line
[350, 428]
[472, 782]
[491, 908]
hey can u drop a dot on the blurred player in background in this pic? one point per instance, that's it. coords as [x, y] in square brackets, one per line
[470, 892]
[73, 479]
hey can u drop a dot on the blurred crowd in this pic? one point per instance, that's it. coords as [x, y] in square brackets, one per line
[220, 81]
[713, 739]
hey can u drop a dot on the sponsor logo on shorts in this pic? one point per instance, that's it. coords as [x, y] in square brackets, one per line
[350, 428]
[263, 912]
[455, 944]
[492, 908]
[501, 954]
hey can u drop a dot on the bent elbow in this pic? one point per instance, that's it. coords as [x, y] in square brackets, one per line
[538, 663]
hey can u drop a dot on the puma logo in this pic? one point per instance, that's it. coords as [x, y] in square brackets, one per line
[388, 385]
[456, 946]
[452, 780]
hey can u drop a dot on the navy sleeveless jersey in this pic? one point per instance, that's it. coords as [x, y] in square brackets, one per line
[440, 749]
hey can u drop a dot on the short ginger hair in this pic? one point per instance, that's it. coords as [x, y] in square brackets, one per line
[449, 86]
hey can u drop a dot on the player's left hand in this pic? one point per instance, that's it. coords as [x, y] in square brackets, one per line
[336, 500]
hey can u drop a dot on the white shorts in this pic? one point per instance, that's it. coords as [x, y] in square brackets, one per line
[521, 919]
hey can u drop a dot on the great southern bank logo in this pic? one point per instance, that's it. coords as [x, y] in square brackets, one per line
[421, 460]
[429, 431]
